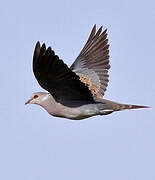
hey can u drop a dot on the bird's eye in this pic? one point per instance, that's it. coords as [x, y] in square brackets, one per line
[35, 96]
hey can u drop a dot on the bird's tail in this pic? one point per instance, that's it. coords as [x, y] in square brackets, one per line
[114, 106]
[120, 107]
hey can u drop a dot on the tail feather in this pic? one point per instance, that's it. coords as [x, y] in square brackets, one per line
[128, 106]
[114, 106]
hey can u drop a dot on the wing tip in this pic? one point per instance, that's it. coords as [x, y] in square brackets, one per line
[43, 45]
[39, 49]
[105, 31]
[38, 43]
[36, 50]
[94, 27]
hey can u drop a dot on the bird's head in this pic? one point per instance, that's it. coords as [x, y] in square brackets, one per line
[37, 98]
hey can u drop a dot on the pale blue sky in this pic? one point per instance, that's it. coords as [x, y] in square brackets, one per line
[37, 146]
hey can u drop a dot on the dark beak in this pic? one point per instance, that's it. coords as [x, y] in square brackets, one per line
[28, 102]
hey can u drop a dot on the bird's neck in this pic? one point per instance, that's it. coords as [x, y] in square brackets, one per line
[49, 104]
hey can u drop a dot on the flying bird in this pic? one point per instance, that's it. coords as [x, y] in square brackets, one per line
[77, 92]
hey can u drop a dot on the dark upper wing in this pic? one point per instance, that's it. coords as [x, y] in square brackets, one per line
[54, 76]
[92, 64]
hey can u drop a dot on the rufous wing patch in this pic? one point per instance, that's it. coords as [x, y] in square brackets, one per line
[91, 86]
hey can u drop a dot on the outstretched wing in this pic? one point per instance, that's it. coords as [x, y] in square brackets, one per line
[54, 76]
[92, 64]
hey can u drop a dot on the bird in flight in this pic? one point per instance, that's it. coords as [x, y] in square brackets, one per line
[77, 92]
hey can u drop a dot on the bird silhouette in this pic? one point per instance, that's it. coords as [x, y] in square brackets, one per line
[76, 92]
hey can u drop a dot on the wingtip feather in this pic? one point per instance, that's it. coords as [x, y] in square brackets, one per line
[37, 50]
